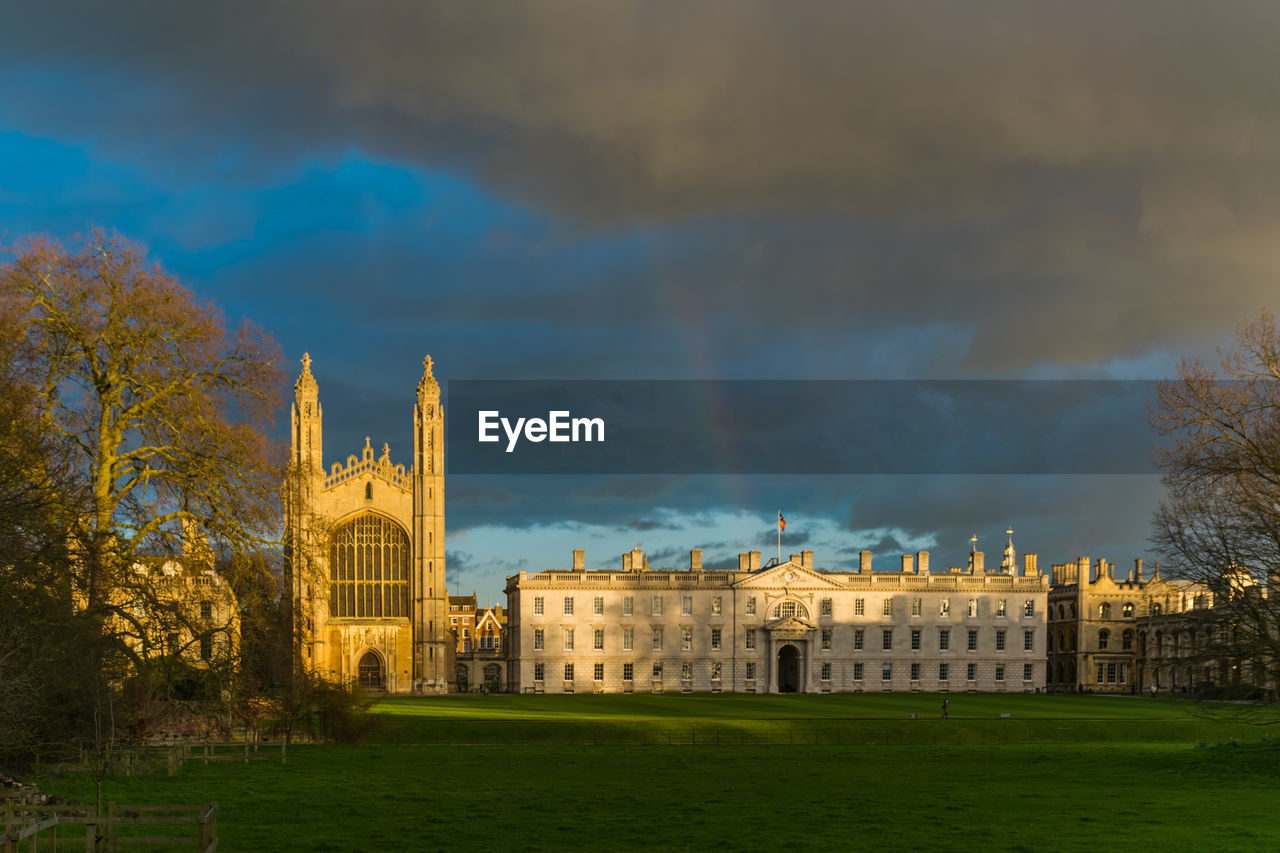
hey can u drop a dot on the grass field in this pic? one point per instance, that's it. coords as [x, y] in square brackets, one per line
[836, 719]
[400, 791]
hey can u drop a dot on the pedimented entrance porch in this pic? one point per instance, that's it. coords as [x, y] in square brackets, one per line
[789, 641]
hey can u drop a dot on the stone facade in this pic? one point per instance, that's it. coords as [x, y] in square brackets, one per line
[365, 543]
[778, 628]
[1103, 630]
[190, 613]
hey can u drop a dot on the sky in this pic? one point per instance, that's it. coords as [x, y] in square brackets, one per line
[660, 190]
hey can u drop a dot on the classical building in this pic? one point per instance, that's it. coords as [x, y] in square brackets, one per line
[778, 628]
[1121, 635]
[365, 542]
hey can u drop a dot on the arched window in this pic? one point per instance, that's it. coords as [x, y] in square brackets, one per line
[1104, 610]
[1104, 638]
[1155, 609]
[1062, 642]
[1126, 640]
[369, 569]
[1127, 610]
[787, 609]
[368, 491]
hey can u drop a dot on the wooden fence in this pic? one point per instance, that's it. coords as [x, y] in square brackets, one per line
[39, 828]
[243, 751]
[130, 761]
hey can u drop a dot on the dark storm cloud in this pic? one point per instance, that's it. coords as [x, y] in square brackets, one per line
[769, 538]
[1065, 181]
[643, 524]
[1059, 518]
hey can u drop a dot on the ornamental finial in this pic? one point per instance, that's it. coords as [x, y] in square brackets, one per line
[427, 385]
[306, 383]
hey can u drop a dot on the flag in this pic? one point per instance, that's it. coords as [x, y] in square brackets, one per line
[782, 522]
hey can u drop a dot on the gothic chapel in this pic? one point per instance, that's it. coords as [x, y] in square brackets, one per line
[365, 548]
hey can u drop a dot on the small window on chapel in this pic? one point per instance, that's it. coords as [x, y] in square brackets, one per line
[368, 491]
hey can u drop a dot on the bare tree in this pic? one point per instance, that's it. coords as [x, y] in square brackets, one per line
[1221, 522]
[164, 411]
[38, 630]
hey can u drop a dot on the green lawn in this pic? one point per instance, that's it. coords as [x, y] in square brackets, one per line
[837, 719]
[1105, 793]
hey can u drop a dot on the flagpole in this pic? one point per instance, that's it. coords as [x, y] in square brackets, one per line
[779, 535]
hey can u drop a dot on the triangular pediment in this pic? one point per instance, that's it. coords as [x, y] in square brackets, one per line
[791, 624]
[788, 575]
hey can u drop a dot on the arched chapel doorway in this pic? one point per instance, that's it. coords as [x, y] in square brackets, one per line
[788, 669]
[370, 671]
[462, 676]
[493, 678]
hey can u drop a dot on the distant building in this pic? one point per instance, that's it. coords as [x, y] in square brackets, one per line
[481, 652]
[1112, 635]
[180, 608]
[462, 621]
[778, 628]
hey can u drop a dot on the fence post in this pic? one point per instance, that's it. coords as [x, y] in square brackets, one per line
[208, 826]
[174, 761]
[111, 827]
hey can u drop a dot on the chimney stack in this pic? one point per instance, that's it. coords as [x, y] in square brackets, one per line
[922, 562]
[695, 560]
[864, 561]
[579, 560]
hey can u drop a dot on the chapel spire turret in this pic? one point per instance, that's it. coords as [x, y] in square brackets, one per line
[307, 421]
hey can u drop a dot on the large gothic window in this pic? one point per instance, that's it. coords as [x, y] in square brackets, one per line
[369, 569]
